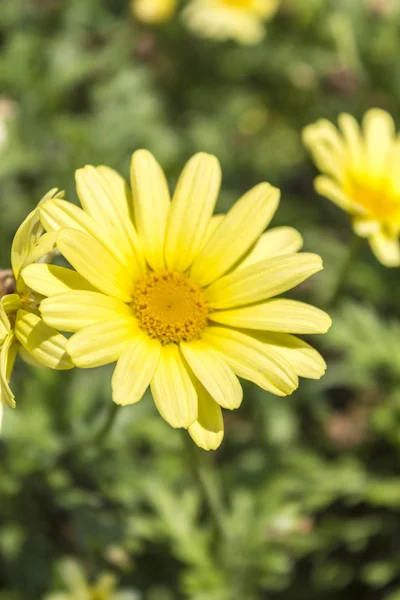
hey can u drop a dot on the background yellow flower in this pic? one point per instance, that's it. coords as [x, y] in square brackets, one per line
[73, 577]
[361, 176]
[241, 20]
[153, 11]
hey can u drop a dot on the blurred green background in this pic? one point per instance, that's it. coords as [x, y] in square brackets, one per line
[305, 490]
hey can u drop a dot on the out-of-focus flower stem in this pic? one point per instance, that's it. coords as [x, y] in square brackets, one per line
[345, 270]
[94, 439]
[205, 475]
[107, 425]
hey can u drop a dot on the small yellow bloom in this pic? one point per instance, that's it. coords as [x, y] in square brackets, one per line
[21, 327]
[241, 20]
[79, 588]
[361, 169]
[153, 11]
[183, 300]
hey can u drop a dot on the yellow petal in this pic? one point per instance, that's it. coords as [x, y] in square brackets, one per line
[191, 209]
[262, 280]
[154, 11]
[212, 226]
[266, 8]
[213, 373]
[43, 342]
[151, 202]
[253, 360]
[28, 235]
[53, 193]
[353, 139]
[386, 248]
[208, 431]
[276, 241]
[28, 358]
[25, 239]
[135, 369]
[95, 264]
[11, 303]
[327, 147]
[379, 130]
[289, 316]
[106, 203]
[393, 166]
[51, 279]
[21, 289]
[236, 234]
[173, 391]
[121, 189]
[7, 358]
[45, 245]
[222, 22]
[72, 311]
[58, 214]
[5, 325]
[365, 226]
[102, 343]
[304, 359]
[324, 148]
[325, 186]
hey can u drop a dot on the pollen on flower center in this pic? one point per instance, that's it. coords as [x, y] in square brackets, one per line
[29, 300]
[170, 307]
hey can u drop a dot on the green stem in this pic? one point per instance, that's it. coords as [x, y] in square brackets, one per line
[207, 480]
[106, 427]
[345, 270]
[96, 438]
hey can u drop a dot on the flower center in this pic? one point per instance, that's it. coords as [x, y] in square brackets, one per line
[377, 197]
[170, 307]
[29, 300]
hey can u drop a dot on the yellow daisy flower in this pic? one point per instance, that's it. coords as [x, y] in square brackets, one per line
[184, 301]
[361, 176]
[241, 20]
[153, 11]
[79, 588]
[21, 327]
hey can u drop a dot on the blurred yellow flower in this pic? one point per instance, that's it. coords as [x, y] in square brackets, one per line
[241, 20]
[21, 327]
[361, 169]
[74, 579]
[184, 301]
[153, 11]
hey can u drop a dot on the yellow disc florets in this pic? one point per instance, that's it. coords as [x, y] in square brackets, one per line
[170, 307]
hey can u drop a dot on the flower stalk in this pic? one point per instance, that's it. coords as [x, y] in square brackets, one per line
[208, 483]
[345, 271]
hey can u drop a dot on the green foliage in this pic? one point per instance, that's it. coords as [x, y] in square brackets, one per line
[303, 499]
